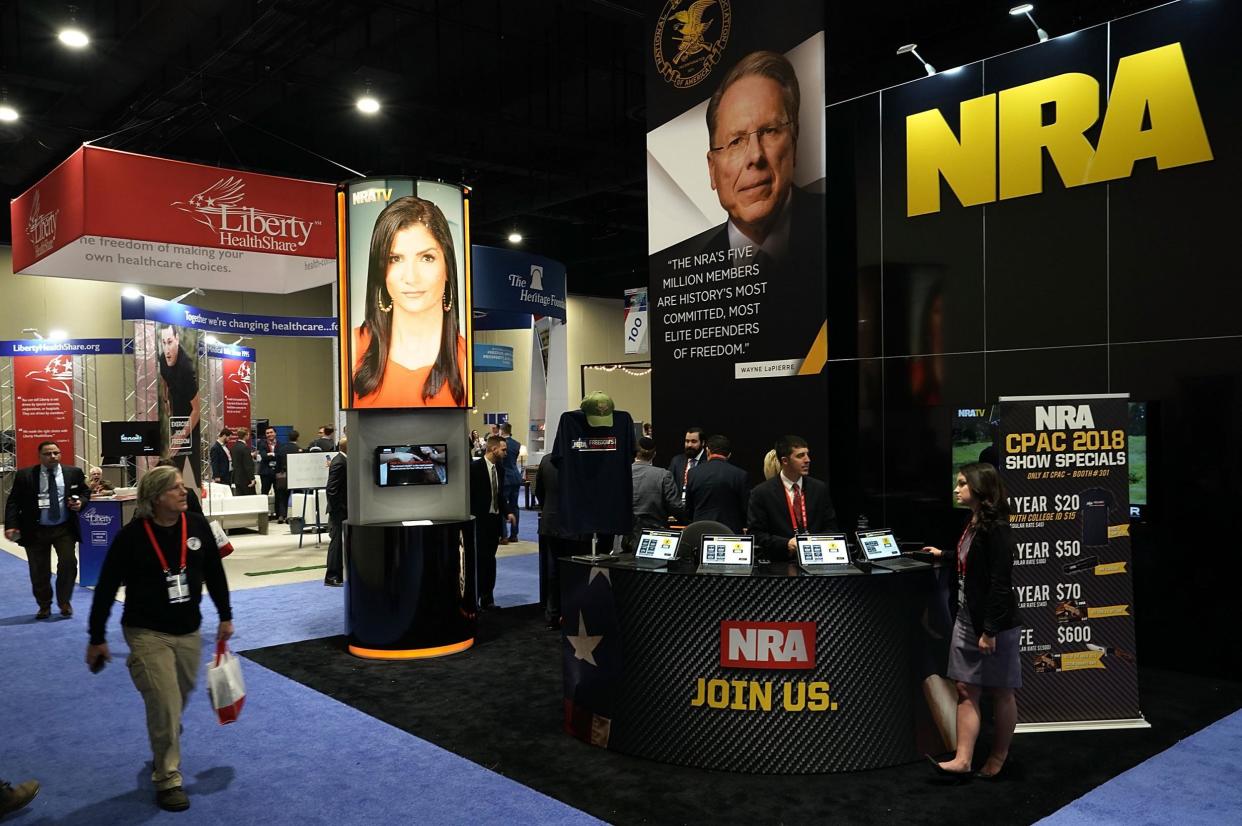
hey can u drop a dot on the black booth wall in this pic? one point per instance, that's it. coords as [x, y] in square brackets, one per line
[1130, 286]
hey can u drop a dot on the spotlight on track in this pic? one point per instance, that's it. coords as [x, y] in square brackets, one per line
[912, 48]
[1026, 9]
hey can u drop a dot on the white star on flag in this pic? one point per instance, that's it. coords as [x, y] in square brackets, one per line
[604, 572]
[583, 643]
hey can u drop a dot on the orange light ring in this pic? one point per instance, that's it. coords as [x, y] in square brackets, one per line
[411, 653]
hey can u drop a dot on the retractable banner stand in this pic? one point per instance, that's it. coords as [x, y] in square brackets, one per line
[116, 216]
[1065, 464]
[235, 380]
[736, 216]
[43, 405]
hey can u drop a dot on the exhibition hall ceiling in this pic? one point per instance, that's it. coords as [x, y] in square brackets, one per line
[538, 105]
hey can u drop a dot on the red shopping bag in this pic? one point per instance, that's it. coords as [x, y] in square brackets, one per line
[225, 685]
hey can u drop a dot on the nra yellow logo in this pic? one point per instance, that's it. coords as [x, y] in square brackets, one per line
[1151, 113]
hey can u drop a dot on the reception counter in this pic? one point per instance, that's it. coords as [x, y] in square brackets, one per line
[408, 591]
[775, 672]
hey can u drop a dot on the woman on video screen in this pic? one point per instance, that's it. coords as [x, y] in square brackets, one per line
[410, 349]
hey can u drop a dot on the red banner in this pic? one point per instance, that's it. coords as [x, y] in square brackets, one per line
[236, 392]
[43, 406]
[117, 216]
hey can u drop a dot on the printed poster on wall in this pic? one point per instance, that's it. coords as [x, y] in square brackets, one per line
[43, 406]
[236, 375]
[1065, 464]
[180, 401]
[736, 213]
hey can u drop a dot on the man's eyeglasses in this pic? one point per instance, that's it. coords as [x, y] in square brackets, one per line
[768, 137]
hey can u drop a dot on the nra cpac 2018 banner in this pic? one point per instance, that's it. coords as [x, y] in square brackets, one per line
[735, 190]
[116, 216]
[1066, 463]
[43, 405]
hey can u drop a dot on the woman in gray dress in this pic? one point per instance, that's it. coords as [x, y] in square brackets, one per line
[984, 650]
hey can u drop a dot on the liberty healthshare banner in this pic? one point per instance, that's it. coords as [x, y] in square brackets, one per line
[736, 242]
[1065, 463]
[42, 405]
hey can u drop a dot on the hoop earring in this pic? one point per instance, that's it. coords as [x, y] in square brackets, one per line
[379, 302]
[446, 302]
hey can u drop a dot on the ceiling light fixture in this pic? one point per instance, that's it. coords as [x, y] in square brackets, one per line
[368, 105]
[515, 237]
[7, 113]
[1026, 9]
[912, 48]
[72, 35]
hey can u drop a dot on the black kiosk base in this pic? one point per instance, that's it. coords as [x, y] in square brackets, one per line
[406, 590]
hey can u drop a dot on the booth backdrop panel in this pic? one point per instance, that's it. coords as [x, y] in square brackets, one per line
[1125, 286]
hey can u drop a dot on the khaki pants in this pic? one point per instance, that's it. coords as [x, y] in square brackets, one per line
[164, 668]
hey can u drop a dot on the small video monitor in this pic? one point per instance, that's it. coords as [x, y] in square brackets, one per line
[402, 465]
[129, 438]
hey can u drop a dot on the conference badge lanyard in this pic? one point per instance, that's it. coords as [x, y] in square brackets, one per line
[178, 585]
[793, 518]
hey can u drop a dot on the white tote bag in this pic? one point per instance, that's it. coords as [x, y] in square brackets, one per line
[225, 685]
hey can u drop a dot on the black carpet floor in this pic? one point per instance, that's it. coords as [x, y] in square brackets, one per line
[499, 705]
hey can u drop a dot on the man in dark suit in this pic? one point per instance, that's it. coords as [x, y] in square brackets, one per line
[717, 491]
[325, 441]
[514, 476]
[490, 512]
[219, 456]
[789, 504]
[338, 512]
[695, 453]
[42, 514]
[243, 464]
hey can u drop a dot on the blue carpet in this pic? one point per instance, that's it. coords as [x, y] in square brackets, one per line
[528, 525]
[1195, 782]
[296, 756]
[517, 581]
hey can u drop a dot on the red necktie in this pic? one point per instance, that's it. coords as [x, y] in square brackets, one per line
[797, 507]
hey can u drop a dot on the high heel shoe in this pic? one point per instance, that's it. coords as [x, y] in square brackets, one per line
[941, 771]
[990, 778]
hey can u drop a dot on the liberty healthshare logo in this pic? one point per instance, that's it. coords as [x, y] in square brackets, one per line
[41, 226]
[219, 207]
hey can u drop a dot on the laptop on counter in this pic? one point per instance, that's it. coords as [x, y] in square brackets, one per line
[882, 550]
[727, 555]
[656, 549]
[826, 555]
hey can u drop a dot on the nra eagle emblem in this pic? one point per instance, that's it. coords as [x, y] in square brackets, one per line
[690, 37]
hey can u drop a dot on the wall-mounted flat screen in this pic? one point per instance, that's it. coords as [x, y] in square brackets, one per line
[401, 465]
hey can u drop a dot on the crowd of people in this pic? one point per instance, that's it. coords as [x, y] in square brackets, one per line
[702, 484]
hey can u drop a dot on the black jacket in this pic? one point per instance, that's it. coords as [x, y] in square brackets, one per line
[243, 468]
[338, 497]
[990, 598]
[481, 489]
[21, 511]
[718, 491]
[769, 515]
[677, 467]
[219, 455]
